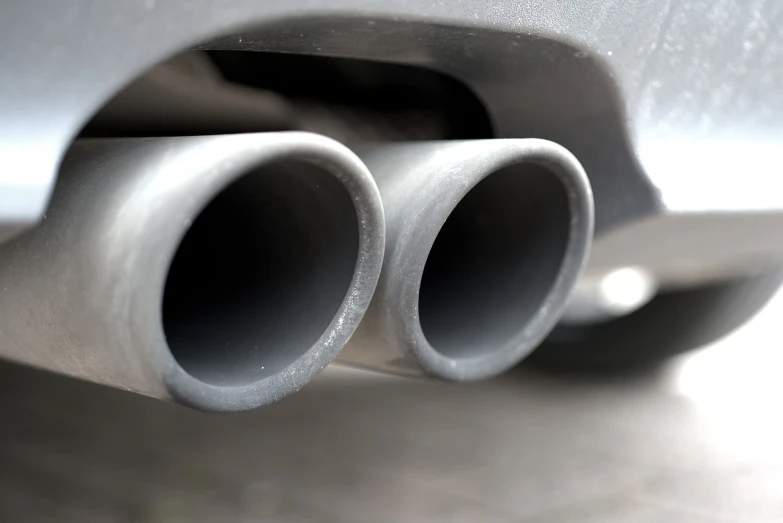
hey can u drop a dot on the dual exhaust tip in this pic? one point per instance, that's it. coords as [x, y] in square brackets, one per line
[225, 272]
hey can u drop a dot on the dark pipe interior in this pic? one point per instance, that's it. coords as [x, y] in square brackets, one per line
[260, 274]
[494, 261]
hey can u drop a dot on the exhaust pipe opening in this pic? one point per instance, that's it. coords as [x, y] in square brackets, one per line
[485, 241]
[494, 261]
[219, 272]
[261, 273]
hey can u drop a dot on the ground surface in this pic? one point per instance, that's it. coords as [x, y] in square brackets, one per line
[698, 442]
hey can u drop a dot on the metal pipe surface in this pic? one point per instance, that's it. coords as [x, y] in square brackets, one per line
[485, 240]
[222, 272]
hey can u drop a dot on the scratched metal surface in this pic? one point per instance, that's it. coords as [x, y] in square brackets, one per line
[696, 442]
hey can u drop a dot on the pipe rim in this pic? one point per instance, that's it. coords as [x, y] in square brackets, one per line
[494, 155]
[235, 156]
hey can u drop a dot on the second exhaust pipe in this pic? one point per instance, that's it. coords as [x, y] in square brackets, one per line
[485, 241]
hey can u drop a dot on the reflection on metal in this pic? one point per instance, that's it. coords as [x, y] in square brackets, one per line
[603, 297]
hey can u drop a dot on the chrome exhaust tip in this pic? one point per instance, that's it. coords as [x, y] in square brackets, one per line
[485, 241]
[222, 272]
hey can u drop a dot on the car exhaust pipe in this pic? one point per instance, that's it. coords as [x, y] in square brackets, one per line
[485, 240]
[222, 272]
